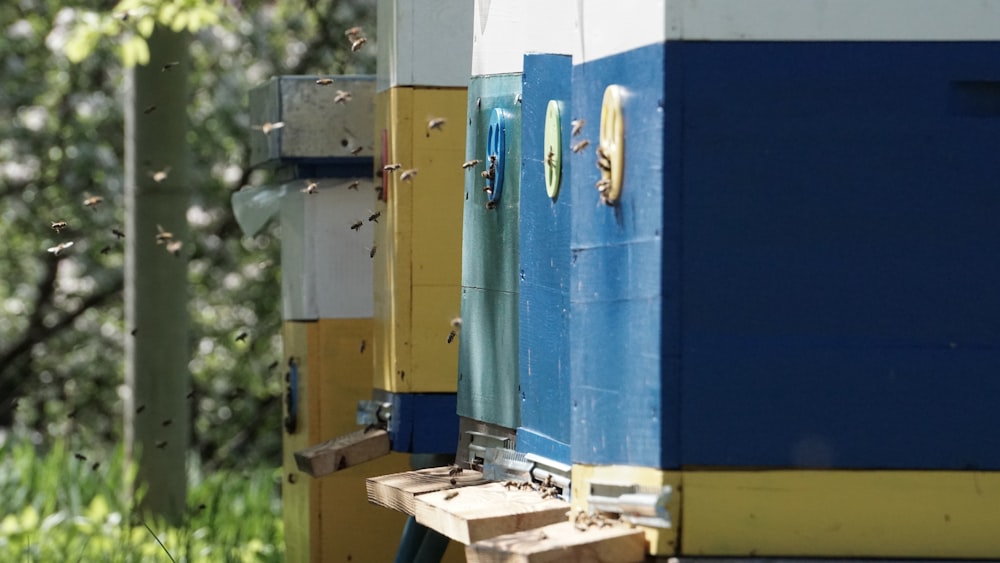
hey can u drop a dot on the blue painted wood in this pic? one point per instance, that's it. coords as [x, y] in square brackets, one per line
[803, 268]
[841, 245]
[423, 410]
[488, 372]
[624, 337]
[543, 313]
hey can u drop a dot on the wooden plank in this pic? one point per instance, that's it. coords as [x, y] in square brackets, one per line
[399, 490]
[342, 452]
[486, 511]
[561, 542]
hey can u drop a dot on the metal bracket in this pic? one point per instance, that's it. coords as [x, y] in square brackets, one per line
[643, 506]
[373, 413]
[479, 443]
[503, 464]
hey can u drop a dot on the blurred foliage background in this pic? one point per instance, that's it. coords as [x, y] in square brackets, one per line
[61, 140]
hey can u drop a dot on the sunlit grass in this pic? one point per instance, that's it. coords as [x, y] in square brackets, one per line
[55, 507]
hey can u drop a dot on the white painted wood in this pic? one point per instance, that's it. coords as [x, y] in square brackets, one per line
[424, 43]
[609, 28]
[325, 266]
[505, 30]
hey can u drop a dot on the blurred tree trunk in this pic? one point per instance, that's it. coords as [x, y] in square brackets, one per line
[157, 353]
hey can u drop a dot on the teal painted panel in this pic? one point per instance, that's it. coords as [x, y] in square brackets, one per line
[488, 369]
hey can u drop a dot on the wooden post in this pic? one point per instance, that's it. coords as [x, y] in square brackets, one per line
[156, 351]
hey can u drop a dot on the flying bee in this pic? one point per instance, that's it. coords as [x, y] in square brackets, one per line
[161, 444]
[201, 507]
[80, 457]
[374, 217]
[163, 236]
[324, 81]
[311, 187]
[241, 337]
[272, 365]
[391, 167]
[408, 175]
[174, 247]
[492, 204]
[95, 466]
[292, 478]
[139, 409]
[354, 185]
[190, 394]
[470, 163]
[92, 201]
[436, 123]
[580, 146]
[167, 422]
[134, 332]
[266, 128]
[169, 66]
[371, 253]
[106, 250]
[118, 234]
[356, 151]
[362, 348]
[451, 336]
[58, 226]
[451, 495]
[576, 127]
[149, 110]
[358, 43]
[160, 175]
[354, 32]
[72, 414]
[57, 249]
[356, 226]
[342, 97]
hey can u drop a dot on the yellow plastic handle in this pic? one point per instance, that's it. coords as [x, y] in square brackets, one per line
[611, 149]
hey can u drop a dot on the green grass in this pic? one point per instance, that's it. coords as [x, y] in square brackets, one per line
[54, 507]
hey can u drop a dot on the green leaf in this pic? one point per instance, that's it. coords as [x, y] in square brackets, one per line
[81, 43]
[145, 26]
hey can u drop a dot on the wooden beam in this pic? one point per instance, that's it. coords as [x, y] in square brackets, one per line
[342, 452]
[561, 542]
[399, 490]
[486, 511]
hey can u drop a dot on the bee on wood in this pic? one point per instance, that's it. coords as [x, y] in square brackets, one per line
[510, 485]
[57, 249]
[371, 253]
[311, 187]
[139, 409]
[453, 481]
[362, 347]
[451, 495]
[118, 234]
[92, 201]
[580, 146]
[161, 444]
[266, 128]
[454, 470]
[436, 123]
[356, 226]
[163, 236]
[174, 247]
[58, 226]
[324, 81]
[167, 422]
[470, 163]
[149, 110]
[358, 43]
[408, 175]
[160, 175]
[391, 167]
[169, 66]
[354, 185]
[241, 337]
[356, 151]
[354, 32]
[576, 127]
[342, 97]
[374, 217]
[80, 457]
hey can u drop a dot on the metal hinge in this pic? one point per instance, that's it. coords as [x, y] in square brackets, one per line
[643, 506]
[503, 464]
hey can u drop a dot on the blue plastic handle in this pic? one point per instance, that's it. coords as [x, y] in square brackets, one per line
[496, 146]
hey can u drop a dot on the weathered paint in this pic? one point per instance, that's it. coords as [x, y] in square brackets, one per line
[660, 541]
[488, 376]
[543, 313]
[330, 519]
[417, 241]
[920, 514]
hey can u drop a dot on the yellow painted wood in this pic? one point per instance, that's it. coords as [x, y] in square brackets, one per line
[419, 239]
[329, 519]
[659, 541]
[919, 514]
